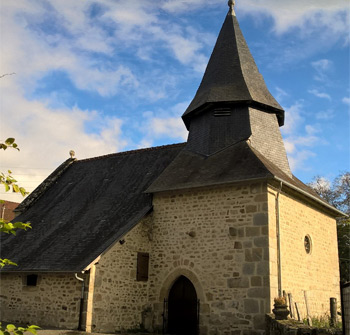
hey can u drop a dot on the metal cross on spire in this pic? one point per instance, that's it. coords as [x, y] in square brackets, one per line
[231, 4]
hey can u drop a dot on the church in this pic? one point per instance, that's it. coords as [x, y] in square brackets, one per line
[191, 238]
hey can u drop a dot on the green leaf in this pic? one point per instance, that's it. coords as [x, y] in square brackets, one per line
[23, 191]
[34, 327]
[15, 188]
[7, 188]
[10, 327]
[10, 141]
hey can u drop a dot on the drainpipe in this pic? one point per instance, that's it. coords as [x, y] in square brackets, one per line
[81, 300]
[278, 235]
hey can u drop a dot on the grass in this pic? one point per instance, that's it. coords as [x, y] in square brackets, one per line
[323, 322]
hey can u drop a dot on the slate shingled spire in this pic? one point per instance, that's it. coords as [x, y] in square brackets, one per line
[232, 77]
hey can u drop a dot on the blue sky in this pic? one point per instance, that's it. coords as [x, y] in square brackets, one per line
[113, 75]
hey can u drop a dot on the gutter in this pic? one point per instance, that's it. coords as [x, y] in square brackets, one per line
[81, 301]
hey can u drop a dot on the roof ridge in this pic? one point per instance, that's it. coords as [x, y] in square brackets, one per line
[122, 153]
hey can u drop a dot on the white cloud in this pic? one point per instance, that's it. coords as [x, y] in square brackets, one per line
[346, 100]
[300, 140]
[299, 159]
[167, 124]
[299, 13]
[320, 94]
[46, 135]
[293, 118]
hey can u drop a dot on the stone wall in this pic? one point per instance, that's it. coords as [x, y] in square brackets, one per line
[316, 272]
[218, 238]
[119, 300]
[292, 327]
[55, 301]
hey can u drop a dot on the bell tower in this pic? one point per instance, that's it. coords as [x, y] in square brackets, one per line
[233, 104]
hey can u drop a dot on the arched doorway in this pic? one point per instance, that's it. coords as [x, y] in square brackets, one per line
[182, 308]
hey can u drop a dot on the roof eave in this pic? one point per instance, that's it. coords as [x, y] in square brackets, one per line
[319, 201]
[249, 103]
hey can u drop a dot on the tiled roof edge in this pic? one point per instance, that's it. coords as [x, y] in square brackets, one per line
[40, 190]
[130, 152]
[290, 184]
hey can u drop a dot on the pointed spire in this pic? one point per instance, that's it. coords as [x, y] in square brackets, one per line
[231, 76]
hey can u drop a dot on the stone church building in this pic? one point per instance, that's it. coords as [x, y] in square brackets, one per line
[192, 238]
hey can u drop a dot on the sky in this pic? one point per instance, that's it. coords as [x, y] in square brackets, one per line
[99, 77]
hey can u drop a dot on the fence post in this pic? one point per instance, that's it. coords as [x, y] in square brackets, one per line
[333, 308]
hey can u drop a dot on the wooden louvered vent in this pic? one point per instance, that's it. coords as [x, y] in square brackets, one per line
[142, 266]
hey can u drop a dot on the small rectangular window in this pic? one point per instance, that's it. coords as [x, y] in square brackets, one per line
[32, 280]
[142, 266]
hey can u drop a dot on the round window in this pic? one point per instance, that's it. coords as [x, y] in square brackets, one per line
[307, 244]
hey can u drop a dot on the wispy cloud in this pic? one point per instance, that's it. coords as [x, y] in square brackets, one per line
[321, 95]
[164, 125]
[300, 140]
[280, 94]
[325, 115]
[299, 13]
[322, 68]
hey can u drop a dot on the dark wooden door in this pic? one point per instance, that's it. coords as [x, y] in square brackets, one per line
[182, 308]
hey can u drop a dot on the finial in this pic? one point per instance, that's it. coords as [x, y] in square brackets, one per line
[72, 153]
[231, 4]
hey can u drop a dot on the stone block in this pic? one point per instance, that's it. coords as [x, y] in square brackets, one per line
[253, 255]
[238, 245]
[256, 281]
[232, 231]
[252, 231]
[251, 209]
[261, 241]
[240, 282]
[248, 268]
[251, 306]
[260, 197]
[260, 219]
[262, 268]
[258, 292]
[259, 321]
[255, 188]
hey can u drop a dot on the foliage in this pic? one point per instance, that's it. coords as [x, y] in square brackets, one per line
[337, 194]
[323, 322]
[10, 183]
[10, 228]
[12, 329]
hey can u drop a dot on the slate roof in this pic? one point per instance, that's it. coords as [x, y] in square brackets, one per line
[83, 212]
[232, 76]
[237, 163]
